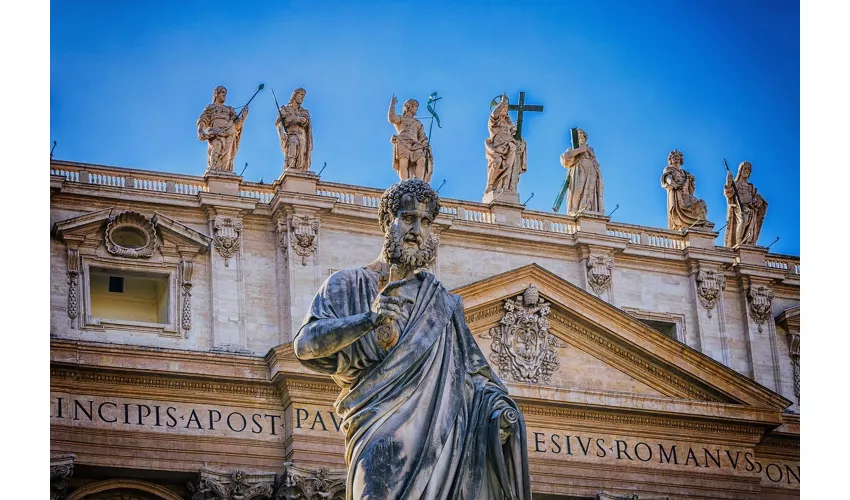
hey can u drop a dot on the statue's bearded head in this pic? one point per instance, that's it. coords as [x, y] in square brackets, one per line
[297, 96]
[410, 107]
[219, 95]
[744, 170]
[675, 158]
[582, 137]
[406, 213]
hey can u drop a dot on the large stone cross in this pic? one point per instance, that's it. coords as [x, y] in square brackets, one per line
[520, 108]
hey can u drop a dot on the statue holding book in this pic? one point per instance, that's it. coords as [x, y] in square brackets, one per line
[584, 177]
[684, 210]
[424, 415]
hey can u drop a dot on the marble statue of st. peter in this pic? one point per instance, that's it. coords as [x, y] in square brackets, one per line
[424, 415]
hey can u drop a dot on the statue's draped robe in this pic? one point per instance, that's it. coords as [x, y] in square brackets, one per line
[296, 139]
[221, 149]
[420, 420]
[741, 228]
[585, 181]
[683, 208]
[410, 143]
[506, 157]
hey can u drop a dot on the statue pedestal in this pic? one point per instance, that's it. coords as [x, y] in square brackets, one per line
[751, 254]
[700, 237]
[504, 197]
[222, 182]
[592, 222]
[508, 214]
[298, 181]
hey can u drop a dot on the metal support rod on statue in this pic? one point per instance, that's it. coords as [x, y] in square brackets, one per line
[262, 85]
[431, 106]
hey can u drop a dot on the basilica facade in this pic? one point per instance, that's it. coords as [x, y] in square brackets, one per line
[649, 363]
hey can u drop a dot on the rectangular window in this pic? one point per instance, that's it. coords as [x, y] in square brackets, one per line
[668, 329]
[129, 296]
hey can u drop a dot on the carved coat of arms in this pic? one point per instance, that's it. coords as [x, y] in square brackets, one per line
[760, 301]
[709, 286]
[523, 348]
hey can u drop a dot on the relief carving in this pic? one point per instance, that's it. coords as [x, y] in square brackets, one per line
[760, 298]
[132, 235]
[186, 285]
[599, 273]
[709, 286]
[305, 484]
[61, 468]
[794, 352]
[226, 241]
[73, 283]
[523, 347]
[236, 485]
[304, 235]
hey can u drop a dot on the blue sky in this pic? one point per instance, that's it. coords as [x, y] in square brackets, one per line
[715, 79]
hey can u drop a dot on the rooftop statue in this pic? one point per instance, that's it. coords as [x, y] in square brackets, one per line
[743, 223]
[410, 146]
[296, 132]
[506, 158]
[584, 178]
[424, 415]
[221, 127]
[684, 210]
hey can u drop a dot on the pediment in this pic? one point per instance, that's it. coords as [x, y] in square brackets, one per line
[601, 350]
[88, 230]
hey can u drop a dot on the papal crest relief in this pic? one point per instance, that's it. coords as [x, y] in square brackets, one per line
[523, 348]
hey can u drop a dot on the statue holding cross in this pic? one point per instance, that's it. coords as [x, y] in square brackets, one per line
[505, 150]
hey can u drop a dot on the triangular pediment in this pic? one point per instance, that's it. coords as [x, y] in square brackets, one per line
[603, 353]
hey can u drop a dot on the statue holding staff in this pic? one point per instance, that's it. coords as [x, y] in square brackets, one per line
[745, 208]
[410, 145]
[296, 132]
[221, 127]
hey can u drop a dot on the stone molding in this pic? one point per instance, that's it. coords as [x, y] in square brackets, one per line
[599, 270]
[234, 485]
[710, 285]
[73, 285]
[760, 298]
[61, 468]
[91, 491]
[227, 230]
[131, 219]
[618, 419]
[522, 346]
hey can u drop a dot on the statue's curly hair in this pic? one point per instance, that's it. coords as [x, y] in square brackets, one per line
[676, 155]
[391, 199]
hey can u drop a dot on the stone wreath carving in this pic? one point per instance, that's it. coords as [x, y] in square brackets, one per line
[599, 273]
[760, 301]
[226, 240]
[523, 348]
[709, 286]
[305, 484]
[236, 485]
[304, 235]
[130, 234]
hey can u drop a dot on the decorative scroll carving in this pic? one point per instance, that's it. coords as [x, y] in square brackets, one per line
[304, 235]
[794, 352]
[61, 468]
[760, 297]
[709, 286]
[599, 273]
[186, 284]
[236, 485]
[226, 241]
[132, 235]
[73, 283]
[304, 484]
[523, 347]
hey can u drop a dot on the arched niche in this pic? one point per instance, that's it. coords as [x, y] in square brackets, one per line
[121, 489]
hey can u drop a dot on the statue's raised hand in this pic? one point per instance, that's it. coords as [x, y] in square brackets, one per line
[393, 101]
[386, 308]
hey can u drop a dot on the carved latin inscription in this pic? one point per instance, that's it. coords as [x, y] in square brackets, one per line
[760, 298]
[709, 286]
[523, 347]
